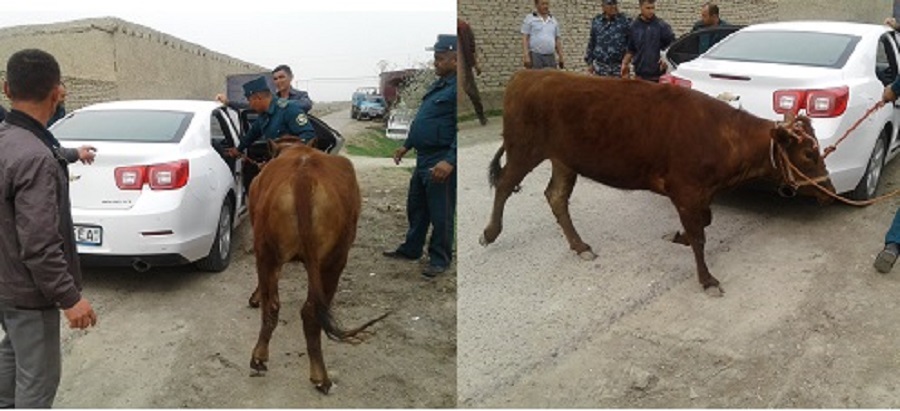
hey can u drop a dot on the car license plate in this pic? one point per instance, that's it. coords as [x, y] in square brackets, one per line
[88, 235]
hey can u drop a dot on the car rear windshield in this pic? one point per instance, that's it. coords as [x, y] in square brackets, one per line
[787, 47]
[152, 126]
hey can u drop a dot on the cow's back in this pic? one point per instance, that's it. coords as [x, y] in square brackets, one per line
[305, 201]
[624, 133]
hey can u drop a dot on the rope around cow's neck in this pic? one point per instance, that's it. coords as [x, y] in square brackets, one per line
[844, 200]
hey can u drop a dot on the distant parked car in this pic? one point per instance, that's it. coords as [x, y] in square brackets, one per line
[161, 191]
[398, 124]
[831, 71]
[359, 96]
[372, 107]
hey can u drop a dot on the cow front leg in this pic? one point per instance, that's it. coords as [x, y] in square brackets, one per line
[694, 217]
[558, 192]
[270, 304]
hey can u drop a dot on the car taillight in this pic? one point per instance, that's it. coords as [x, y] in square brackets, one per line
[788, 101]
[675, 80]
[831, 102]
[166, 176]
[130, 178]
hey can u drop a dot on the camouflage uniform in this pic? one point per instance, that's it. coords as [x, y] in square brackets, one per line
[606, 46]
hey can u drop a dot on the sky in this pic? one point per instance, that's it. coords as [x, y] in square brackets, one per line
[332, 46]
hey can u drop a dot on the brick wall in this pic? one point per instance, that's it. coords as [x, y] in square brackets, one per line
[111, 59]
[496, 25]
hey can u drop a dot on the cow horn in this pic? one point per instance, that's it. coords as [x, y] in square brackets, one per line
[789, 117]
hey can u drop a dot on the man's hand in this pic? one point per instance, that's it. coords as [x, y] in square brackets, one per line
[232, 152]
[399, 153]
[663, 65]
[477, 69]
[81, 315]
[527, 62]
[590, 68]
[562, 64]
[86, 154]
[888, 95]
[626, 70]
[891, 22]
[441, 171]
[221, 98]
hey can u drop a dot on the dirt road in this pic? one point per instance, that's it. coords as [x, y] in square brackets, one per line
[805, 321]
[180, 338]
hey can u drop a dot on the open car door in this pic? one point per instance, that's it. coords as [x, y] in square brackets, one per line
[688, 46]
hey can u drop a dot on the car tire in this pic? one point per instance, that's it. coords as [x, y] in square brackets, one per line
[220, 253]
[868, 184]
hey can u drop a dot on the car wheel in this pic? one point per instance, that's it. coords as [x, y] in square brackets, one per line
[220, 253]
[868, 184]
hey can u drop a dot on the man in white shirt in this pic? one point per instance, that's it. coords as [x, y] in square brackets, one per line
[541, 43]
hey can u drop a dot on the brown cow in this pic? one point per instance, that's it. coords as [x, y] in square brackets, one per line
[304, 206]
[635, 135]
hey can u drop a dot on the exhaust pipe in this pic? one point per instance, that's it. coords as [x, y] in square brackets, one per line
[787, 191]
[140, 266]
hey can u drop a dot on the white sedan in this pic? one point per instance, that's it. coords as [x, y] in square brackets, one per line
[161, 191]
[831, 71]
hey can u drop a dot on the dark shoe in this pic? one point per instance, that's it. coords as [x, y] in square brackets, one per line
[432, 271]
[886, 258]
[483, 121]
[397, 255]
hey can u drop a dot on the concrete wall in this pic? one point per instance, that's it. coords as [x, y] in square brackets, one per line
[496, 25]
[111, 59]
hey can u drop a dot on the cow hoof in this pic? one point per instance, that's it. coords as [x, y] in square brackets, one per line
[258, 365]
[587, 255]
[483, 241]
[714, 291]
[253, 303]
[323, 387]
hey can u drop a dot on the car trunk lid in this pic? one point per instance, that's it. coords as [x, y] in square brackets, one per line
[93, 187]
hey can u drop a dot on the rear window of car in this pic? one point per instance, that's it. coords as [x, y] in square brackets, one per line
[149, 126]
[787, 47]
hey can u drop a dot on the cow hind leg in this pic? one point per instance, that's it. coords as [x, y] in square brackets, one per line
[695, 215]
[558, 192]
[267, 269]
[517, 167]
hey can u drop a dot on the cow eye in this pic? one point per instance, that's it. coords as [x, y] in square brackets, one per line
[811, 155]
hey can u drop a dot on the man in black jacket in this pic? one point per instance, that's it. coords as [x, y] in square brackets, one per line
[39, 269]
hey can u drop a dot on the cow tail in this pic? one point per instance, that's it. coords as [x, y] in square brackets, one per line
[494, 169]
[322, 308]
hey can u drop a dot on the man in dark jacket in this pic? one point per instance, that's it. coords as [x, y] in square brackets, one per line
[432, 188]
[649, 35]
[39, 270]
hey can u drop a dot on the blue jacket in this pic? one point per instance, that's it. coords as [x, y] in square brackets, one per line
[433, 132]
[282, 117]
[646, 40]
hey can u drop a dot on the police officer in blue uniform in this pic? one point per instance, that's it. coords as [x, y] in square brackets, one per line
[277, 118]
[432, 188]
